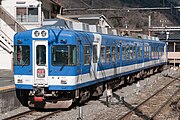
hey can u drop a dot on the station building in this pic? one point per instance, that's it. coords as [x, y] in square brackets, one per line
[173, 41]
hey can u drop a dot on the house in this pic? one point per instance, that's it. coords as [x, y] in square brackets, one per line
[92, 19]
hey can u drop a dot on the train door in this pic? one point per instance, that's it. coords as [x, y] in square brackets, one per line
[79, 63]
[40, 63]
[95, 55]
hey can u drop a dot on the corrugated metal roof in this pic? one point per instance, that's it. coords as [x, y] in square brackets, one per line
[171, 38]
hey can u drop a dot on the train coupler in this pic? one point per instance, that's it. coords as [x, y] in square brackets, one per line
[38, 99]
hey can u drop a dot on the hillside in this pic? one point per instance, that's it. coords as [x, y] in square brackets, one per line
[132, 19]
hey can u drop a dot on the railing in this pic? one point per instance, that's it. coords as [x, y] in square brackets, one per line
[173, 55]
[10, 21]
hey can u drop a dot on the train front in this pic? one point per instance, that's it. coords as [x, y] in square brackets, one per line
[44, 68]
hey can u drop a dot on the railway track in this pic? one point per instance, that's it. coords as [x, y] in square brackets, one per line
[151, 107]
[33, 115]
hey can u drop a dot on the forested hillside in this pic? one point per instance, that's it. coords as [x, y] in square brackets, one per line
[137, 19]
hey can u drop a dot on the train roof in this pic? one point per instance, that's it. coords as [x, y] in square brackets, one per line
[80, 33]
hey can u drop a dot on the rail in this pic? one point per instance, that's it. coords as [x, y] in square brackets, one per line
[19, 115]
[35, 115]
[145, 101]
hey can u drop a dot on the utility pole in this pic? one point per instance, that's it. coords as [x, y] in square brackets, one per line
[163, 3]
[92, 4]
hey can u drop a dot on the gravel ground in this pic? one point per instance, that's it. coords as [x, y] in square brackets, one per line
[97, 110]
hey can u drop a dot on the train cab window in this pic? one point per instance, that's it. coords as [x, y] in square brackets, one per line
[108, 54]
[113, 53]
[21, 55]
[102, 54]
[87, 54]
[41, 55]
[63, 55]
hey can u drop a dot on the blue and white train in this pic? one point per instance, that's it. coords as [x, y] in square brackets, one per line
[53, 68]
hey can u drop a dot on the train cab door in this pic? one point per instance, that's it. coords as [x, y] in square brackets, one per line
[95, 56]
[40, 63]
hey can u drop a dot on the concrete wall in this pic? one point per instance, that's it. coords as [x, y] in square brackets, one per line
[6, 60]
[8, 100]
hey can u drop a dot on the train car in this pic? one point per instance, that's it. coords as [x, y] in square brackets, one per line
[54, 68]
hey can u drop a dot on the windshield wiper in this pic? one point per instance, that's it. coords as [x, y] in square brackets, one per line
[62, 67]
[27, 59]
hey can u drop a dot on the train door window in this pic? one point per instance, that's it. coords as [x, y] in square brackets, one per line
[108, 54]
[72, 55]
[78, 55]
[86, 54]
[127, 55]
[41, 55]
[94, 53]
[102, 54]
[21, 55]
[118, 52]
[113, 53]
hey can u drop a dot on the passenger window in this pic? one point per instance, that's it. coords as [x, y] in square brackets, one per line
[131, 53]
[124, 53]
[140, 52]
[108, 54]
[102, 54]
[134, 52]
[118, 52]
[86, 54]
[113, 54]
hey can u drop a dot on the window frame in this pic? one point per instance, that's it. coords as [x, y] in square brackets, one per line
[87, 55]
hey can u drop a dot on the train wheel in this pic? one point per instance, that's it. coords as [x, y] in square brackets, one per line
[84, 95]
[22, 96]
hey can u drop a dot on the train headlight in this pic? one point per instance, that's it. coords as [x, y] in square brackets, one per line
[36, 33]
[43, 33]
[40, 33]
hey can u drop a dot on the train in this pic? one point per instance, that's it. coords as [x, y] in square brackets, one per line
[55, 68]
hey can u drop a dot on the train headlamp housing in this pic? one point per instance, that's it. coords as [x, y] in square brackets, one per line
[36, 33]
[40, 33]
[43, 33]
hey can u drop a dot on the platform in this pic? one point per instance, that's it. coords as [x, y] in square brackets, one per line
[6, 78]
